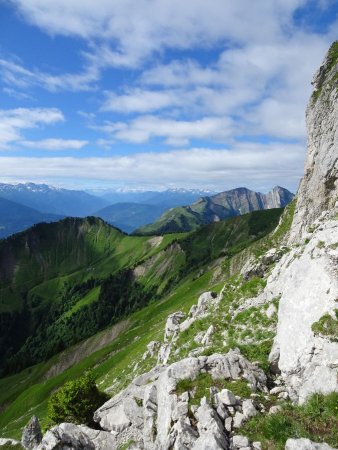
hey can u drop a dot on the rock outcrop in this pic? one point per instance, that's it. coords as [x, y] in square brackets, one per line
[31, 435]
[318, 190]
[154, 413]
[306, 279]
[305, 444]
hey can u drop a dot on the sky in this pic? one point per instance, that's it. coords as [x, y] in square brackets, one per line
[155, 94]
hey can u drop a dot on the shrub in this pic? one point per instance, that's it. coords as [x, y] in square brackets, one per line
[76, 402]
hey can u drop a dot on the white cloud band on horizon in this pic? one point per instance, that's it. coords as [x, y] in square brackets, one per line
[251, 165]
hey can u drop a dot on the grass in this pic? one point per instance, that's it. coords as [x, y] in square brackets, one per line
[126, 445]
[316, 420]
[327, 326]
[200, 387]
[111, 365]
[332, 61]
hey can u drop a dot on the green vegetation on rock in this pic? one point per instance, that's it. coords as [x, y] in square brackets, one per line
[316, 420]
[327, 326]
[332, 59]
[200, 387]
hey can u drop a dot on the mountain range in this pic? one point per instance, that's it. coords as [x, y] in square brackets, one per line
[15, 217]
[34, 203]
[52, 200]
[215, 208]
[166, 199]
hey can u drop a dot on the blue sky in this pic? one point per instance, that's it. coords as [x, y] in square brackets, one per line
[154, 94]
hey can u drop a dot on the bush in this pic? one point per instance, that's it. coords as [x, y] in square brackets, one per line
[76, 402]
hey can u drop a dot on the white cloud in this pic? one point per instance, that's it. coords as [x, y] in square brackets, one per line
[127, 32]
[174, 132]
[14, 74]
[139, 101]
[55, 144]
[253, 165]
[13, 121]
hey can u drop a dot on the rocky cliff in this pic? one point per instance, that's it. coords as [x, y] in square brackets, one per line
[307, 278]
[318, 191]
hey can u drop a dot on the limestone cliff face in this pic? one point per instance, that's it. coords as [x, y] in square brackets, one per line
[306, 279]
[318, 190]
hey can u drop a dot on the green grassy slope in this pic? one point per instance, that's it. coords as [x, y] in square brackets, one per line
[53, 272]
[179, 266]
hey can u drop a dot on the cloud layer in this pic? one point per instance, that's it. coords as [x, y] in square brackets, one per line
[179, 77]
[255, 166]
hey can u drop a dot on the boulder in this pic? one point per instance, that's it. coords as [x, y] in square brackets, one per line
[239, 441]
[173, 324]
[248, 409]
[227, 397]
[31, 435]
[207, 337]
[212, 435]
[66, 436]
[305, 444]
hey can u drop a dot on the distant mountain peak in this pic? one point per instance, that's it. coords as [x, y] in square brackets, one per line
[217, 207]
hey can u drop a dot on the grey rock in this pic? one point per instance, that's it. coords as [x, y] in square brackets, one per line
[7, 441]
[173, 324]
[239, 441]
[203, 304]
[182, 436]
[228, 424]
[207, 337]
[277, 390]
[66, 436]
[248, 409]
[239, 420]
[164, 353]
[275, 409]
[271, 311]
[283, 396]
[102, 440]
[305, 444]
[271, 256]
[31, 435]
[222, 411]
[318, 189]
[180, 410]
[211, 430]
[305, 278]
[227, 397]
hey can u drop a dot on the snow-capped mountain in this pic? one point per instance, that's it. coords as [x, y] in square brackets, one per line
[50, 199]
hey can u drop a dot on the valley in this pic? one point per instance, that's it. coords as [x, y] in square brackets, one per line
[174, 269]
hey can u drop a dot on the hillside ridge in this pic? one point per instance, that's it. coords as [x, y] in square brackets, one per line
[214, 208]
